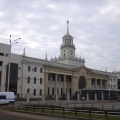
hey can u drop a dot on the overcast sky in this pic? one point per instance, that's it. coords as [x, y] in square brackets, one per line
[94, 24]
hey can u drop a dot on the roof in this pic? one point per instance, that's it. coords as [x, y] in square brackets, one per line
[67, 35]
[103, 72]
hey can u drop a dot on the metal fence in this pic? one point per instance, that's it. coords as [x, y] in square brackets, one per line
[76, 112]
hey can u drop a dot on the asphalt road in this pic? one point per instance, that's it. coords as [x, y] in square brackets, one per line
[7, 115]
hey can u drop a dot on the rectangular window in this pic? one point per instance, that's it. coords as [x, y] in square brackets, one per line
[40, 92]
[34, 80]
[58, 91]
[48, 91]
[35, 69]
[28, 80]
[40, 80]
[34, 92]
[40, 70]
[28, 68]
[61, 91]
[70, 91]
[53, 91]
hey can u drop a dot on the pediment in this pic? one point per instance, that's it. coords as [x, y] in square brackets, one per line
[84, 69]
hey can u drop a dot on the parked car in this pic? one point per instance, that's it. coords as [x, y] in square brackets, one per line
[7, 97]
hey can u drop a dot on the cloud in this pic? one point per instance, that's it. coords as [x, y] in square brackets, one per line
[41, 24]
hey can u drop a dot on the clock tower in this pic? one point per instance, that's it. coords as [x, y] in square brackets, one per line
[67, 52]
[67, 48]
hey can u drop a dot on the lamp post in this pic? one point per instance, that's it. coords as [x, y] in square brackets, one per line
[11, 44]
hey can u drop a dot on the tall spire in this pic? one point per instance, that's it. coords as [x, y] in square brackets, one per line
[67, 27]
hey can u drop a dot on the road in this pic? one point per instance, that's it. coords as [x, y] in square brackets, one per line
[7, 115]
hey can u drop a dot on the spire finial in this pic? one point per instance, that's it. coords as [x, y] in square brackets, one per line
[67, 27]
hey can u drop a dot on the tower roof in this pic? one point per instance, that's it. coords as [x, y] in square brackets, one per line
[67, 36]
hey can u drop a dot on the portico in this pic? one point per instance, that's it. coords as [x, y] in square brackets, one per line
[68, 80]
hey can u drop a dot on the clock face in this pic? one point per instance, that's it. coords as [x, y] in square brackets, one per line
[71, 52]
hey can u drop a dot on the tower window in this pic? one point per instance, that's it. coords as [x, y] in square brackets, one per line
[64, 50]
[64, 54]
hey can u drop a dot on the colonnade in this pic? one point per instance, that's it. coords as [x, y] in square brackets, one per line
[97, 83]
[73, 83]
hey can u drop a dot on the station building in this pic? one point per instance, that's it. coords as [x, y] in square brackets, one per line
[65, 74]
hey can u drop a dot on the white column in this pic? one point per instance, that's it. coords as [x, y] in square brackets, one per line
[56, 97]
[56, 83]
[101, 84]
[78, 97]
[28, 97]
[73, 85]
[46, 83]
[95, 83]
[109, 93]
[68, 97]
[102, 94]
[64, 85]
[95, 97]
[87, 97]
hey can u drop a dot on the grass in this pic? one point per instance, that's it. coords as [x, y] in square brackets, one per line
[67, 113]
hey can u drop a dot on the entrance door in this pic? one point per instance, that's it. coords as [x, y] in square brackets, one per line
[82, 82]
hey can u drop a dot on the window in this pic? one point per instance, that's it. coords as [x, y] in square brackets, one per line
[28, 80]
[28, 90]
[1, 54]
[70, 91]
[48, 91]
[28, 68]
[57, 90]
[61, 91]
[40, 80]
[93, 81]
[52, 91]
[34, 80]
[34, 92]
[2, 97]
[40, 70]
[40, 92]
[35, 69]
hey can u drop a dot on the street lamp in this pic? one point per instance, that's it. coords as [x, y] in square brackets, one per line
[11, 44]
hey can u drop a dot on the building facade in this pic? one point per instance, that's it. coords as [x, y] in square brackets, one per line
[66, 74]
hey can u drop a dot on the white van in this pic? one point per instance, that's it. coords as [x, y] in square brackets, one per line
[7, 97]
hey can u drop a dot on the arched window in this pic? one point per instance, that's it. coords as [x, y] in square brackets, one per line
[64, 54]
[82, 83]
[34, 80]
[40, 80]
[40, 92]
[28, 90]
[34, 92]
[28, 79]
